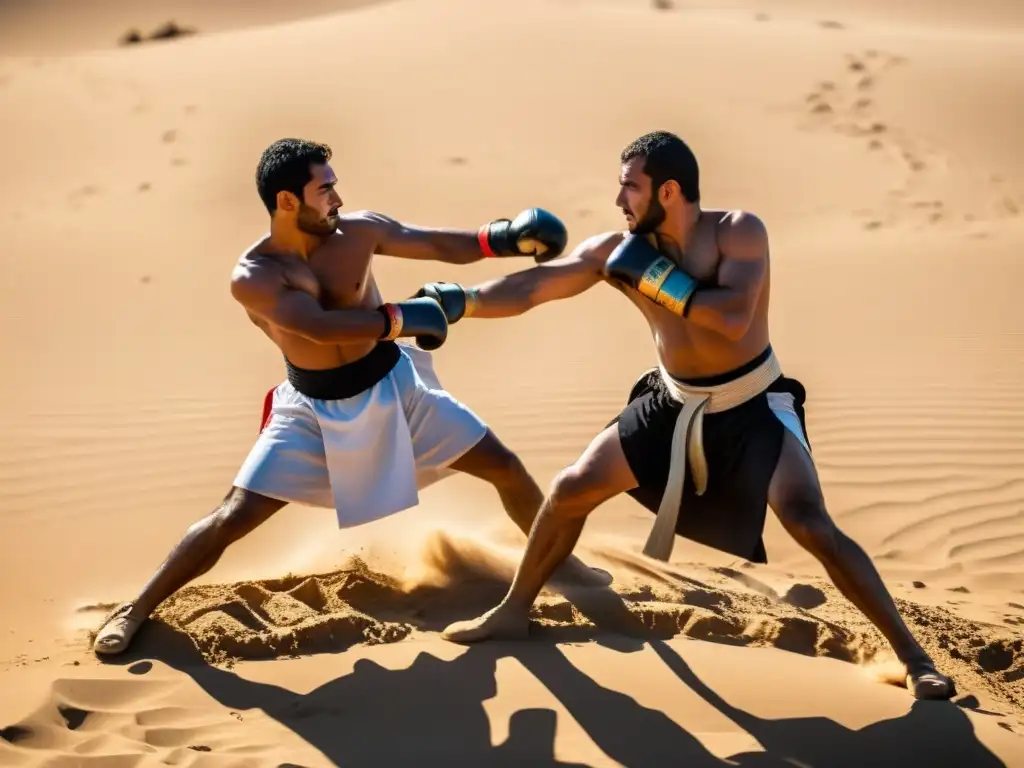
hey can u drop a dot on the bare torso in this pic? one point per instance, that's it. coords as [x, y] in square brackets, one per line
[338, 275]
[686, 350]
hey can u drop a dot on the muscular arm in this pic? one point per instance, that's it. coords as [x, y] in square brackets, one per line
[264, 293]
[557, 279]
[729, 307]
[408, 241]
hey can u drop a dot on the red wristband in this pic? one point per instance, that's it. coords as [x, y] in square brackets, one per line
[484, 240]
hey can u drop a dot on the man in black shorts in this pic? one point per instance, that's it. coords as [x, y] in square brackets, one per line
[715, 433]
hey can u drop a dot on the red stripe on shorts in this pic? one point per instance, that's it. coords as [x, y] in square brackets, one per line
[268, 403]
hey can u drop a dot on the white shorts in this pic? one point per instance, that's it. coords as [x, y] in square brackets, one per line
[366, 456]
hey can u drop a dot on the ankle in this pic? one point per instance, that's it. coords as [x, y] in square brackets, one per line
[917, 659]
[515, 604]
[136, 612]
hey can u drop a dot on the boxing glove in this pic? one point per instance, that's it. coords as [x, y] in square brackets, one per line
[534, 232]
[453, 298]
[641, 266]
[422, 318]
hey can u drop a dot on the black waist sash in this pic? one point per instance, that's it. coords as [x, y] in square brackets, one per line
[346, 380]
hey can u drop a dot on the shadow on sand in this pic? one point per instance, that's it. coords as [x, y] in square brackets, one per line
[432, 713]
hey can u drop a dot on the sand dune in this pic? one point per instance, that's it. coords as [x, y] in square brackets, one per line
[878, 140]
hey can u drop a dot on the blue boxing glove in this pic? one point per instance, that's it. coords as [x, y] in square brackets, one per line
[641, 266]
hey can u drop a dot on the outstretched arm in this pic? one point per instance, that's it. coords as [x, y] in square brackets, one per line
[558, 279]
[408, 241]
[729, 307]
[534, 232]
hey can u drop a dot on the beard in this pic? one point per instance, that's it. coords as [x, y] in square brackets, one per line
[312, 223]
[652, 219]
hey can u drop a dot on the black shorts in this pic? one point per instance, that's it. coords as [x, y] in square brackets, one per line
[742, 446]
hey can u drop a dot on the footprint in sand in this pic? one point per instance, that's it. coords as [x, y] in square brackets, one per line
[169, 136]
[1000, 655]
[76, 197]
[847, 106]
[804, 596]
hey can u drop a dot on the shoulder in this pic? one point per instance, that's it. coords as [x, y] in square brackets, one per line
[366, 222]
[255, 274]
[362, 230]
[741, 234]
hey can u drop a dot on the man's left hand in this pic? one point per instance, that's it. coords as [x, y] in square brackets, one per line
[451, 297]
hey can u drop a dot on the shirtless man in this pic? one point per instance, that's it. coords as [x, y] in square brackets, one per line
[715, 433]
[361, 422]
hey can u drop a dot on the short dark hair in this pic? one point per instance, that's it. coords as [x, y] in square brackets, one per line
[284, 167]
[667, 157]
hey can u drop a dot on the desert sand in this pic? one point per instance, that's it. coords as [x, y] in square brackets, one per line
[875, 139]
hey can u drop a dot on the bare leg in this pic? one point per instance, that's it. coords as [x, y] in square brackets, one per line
[492, 462]
[599, 474]
[796, 498]
[197, 552]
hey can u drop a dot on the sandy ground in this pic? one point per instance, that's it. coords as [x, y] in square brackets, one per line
[875, 138]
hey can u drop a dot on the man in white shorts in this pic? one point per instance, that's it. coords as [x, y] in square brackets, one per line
[361, 423]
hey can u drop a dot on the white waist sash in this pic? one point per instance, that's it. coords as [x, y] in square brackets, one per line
[688, 440]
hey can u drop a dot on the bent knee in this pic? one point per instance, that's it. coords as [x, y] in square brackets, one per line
[807, 521]
[576, 491]
[507, 468]
[241, 512]
[492, 461]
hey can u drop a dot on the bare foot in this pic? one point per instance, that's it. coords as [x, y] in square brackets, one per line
[575, 573]
[117, 633]
[500, 623]
[926, 682]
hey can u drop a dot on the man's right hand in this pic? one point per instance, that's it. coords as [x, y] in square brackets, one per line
[451, 297]
[419, 317]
